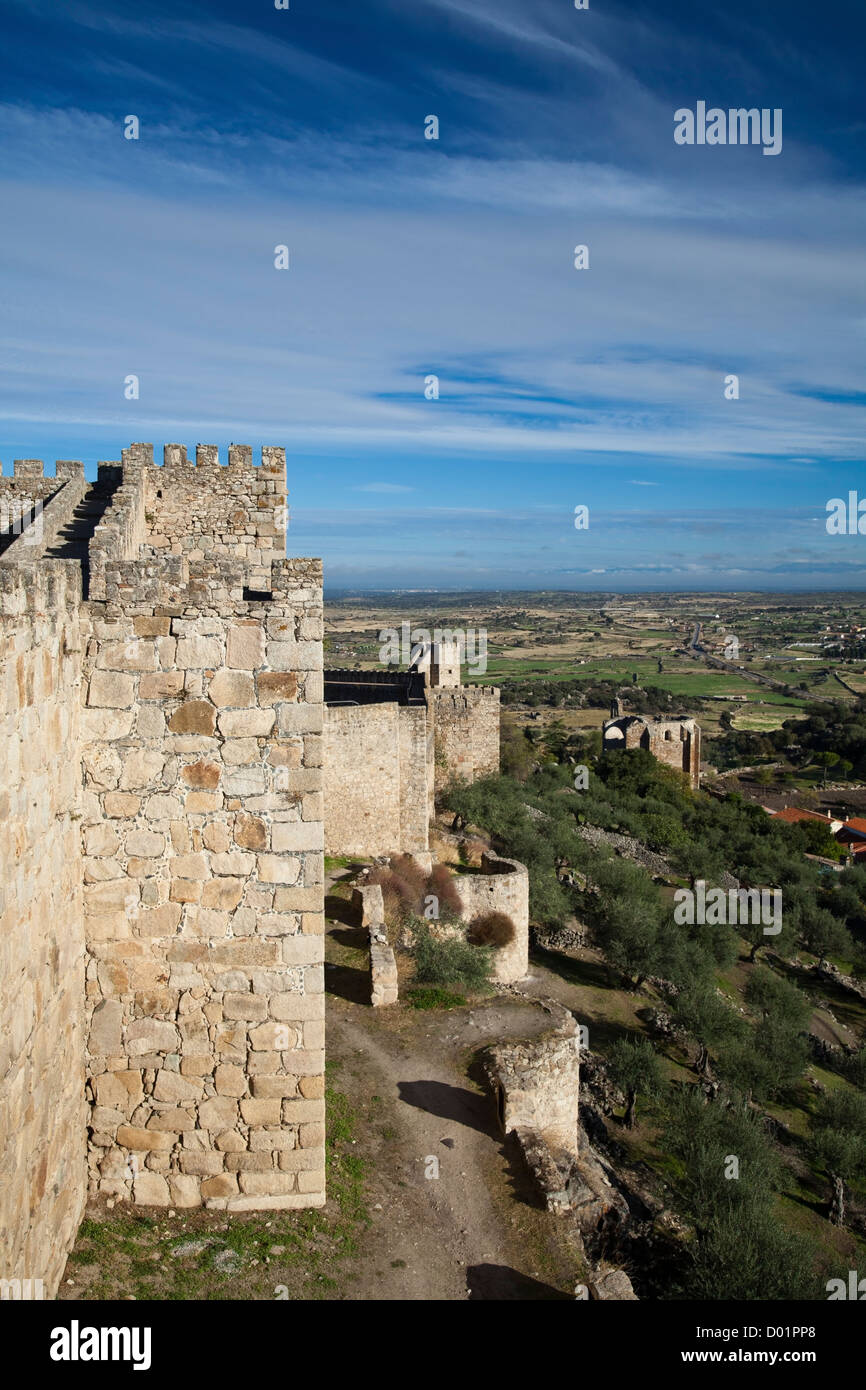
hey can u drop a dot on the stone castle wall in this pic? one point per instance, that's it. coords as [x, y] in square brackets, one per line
[466, 723]
[376, 778]
[384, 763]
[42, 1105]
[161, 942]
[204, 888]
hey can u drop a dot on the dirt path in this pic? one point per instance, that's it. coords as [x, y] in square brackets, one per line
[470, 1232]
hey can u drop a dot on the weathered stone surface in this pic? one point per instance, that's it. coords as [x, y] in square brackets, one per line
[238, 723]
[222, 893]
[151, 1190]
[250, 832]
[193, 717]
[291, 836]
[145, 844]
[245, 646]
[223, 1185]
[202, 774]
[251, 1007]
[147, 1035]
[274, 686]
[111, 690]
[106, 1028]
[197, 653]
[219, 1113]
[232, 688]
[170, 1086]
[139, 1139]
[277, 868]
[233, 864]
[142, 767]
[160, 685]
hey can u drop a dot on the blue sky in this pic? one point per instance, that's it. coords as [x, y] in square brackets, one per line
[558, 387]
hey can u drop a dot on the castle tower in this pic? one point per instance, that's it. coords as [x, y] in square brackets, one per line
[440, 664]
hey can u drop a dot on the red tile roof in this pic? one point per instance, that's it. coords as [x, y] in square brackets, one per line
[792, 814]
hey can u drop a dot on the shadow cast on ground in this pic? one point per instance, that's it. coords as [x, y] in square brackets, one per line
[455, 1103]
[340, 910]
[347, 983]
[489, 1283]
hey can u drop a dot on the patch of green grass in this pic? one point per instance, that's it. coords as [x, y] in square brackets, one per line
[242, 1257]
[434, 997]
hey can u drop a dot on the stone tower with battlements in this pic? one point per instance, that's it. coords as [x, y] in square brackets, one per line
[161, 990]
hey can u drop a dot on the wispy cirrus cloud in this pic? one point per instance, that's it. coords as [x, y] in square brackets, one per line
[453, 258]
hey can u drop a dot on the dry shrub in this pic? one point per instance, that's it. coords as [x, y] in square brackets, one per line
[411, 873]
[398, 896]
[491, 929]
[471, 849]
[442, 886]
[405, 888]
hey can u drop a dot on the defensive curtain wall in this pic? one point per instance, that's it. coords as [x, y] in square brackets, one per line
[161, 977]
[392, 740]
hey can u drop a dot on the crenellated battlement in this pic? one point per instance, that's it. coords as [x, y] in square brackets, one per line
[465, 695]
[34, 470]
[176, 460]
[207, 508]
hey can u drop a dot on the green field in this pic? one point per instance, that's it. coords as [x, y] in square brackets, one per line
[761, 723]
[679, 677]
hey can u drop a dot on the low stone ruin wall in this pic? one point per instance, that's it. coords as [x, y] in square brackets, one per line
[369, 905]
[502, 886]
[830, 974]
[383, 969]
[536, 1082]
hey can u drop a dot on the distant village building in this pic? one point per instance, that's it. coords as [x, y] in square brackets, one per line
[846, 830]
